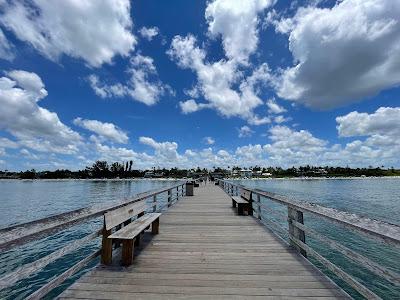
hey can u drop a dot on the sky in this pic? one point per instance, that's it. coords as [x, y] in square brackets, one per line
[199, 83]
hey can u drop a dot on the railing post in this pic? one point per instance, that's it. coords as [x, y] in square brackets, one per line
[295, 232]
[259, 206]
[154, 203]
[177, 193]
[169, 197]
[106, 247]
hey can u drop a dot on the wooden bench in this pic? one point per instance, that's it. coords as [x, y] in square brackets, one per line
[119, 228]
[243, 202]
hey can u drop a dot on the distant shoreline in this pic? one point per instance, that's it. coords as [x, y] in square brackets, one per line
[180, 179]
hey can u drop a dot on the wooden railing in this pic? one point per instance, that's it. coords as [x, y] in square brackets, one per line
[385, 233]
[21, 234]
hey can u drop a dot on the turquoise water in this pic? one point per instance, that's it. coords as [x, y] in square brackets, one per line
[377, 198]
[23, 201]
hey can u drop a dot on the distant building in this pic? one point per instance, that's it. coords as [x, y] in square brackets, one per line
[148, 174]
[246, 173]
[152, 174]
[257, 173]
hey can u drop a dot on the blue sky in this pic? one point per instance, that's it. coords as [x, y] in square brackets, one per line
[199, 83]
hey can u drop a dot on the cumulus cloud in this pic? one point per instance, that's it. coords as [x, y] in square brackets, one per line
[382, 132]
[215, 81]
[281, 119]
[143, 84]
[34, 126]
[384, 121]
[149, 32]
[5, 47]
[222, 83]
[209, 140]
[107, 131]
[245, 131]
[342, 54]
[274, 108]
[164, 150]
[190, 106]
[94, 31]
[236, 22]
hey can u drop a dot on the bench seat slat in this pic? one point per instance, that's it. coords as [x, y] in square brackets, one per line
[131, 230]
[120, 215]
[238, 199]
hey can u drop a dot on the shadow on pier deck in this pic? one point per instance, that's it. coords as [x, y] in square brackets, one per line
[205, 251]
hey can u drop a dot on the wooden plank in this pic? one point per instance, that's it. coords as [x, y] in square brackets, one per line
[120, 215]
[204, 251]
[237, 199]
[389, 275]
[79, 294]
[24, 233]
[295, 292]
[61, 278]
[338, 271]
[209, 283]
[133, 229]
[24, 271]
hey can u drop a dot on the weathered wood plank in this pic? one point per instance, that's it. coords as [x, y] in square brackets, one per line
[118, 216]
[205, 251]
[133, 229]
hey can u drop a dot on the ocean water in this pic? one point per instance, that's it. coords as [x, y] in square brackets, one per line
[23, 201]
[26, 200]
[377, 198]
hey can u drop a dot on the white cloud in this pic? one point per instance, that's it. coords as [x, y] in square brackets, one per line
[190, 106]
[250, 153]
[209, 140]
[274, 108]
[7, 143]
[149, 32]
[236, 22]
[143, 84]
[94, 31]
[245, 131]
[281, 119]
[164, 150]
[25, 153]
[223, 83]
[342, 54]
[107, 131]
[385, 121]
[382, 132]
[215, 82]
[33, 126]
[5, 47]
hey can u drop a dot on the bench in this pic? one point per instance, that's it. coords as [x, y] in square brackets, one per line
[119, 228]
[243, 202]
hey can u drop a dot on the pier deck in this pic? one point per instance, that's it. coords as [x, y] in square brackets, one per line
[205, 251]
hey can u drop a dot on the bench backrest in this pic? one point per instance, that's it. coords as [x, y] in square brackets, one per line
[245, 194]
[120, 215]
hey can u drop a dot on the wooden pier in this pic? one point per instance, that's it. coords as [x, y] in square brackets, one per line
[200, 247]
[204, 250]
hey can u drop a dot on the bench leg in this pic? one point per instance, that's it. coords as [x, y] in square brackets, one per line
[250, 209]
[240, 209]
[127, 252]
[137, 240]
[155, 226]
[106, 248]
[233, 203]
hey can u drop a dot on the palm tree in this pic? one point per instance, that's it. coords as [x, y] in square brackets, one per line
[130, 165]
